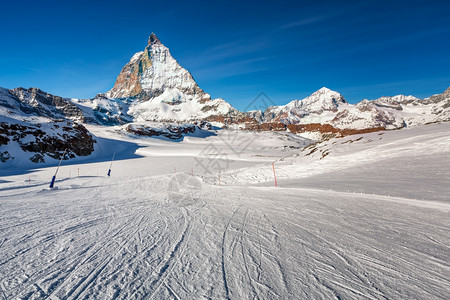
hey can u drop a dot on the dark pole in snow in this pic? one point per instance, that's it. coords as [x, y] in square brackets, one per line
[54, 176]
[109, 171]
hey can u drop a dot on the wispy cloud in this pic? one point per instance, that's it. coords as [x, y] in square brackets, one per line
[227, 51]
[303, 22]
[240, 67]
[20, 68]
[377, 44]
[325, 14]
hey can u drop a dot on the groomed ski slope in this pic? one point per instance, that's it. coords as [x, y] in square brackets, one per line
[171, 235]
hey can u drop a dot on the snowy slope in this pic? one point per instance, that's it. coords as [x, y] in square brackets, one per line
[356, 152]
[148, 233]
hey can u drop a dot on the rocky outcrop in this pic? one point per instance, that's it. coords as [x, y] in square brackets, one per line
[36, 126]
[256, 115]
[170, 131]
[53, 140]
[239, 119]
[324, 129]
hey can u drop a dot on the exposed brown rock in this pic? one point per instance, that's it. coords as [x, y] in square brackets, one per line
[127, 83]
[314, 127]
[239, 119]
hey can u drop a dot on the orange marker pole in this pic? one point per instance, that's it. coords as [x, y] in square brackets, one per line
[274, 175]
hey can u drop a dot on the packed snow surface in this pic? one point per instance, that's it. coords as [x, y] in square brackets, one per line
[361, 217]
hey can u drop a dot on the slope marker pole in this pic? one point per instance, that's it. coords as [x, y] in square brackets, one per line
[110, 166]
[52, 183]
[274, 175]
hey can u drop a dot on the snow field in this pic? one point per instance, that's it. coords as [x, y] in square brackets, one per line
[148, 232]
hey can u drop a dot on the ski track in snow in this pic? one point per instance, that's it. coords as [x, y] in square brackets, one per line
[176, 237]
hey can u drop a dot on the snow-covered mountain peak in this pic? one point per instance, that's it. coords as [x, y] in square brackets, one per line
[151, 72]
[323, 91]
[325, 95]
[158, 88]
[321, 100]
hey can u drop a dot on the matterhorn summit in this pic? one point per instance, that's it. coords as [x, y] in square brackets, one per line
[162, 90]
[153, 71]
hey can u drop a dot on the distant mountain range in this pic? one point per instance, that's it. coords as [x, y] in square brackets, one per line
[329, 107]
[153, 87]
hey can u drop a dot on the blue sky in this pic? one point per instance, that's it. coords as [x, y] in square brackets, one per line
[234, 49]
